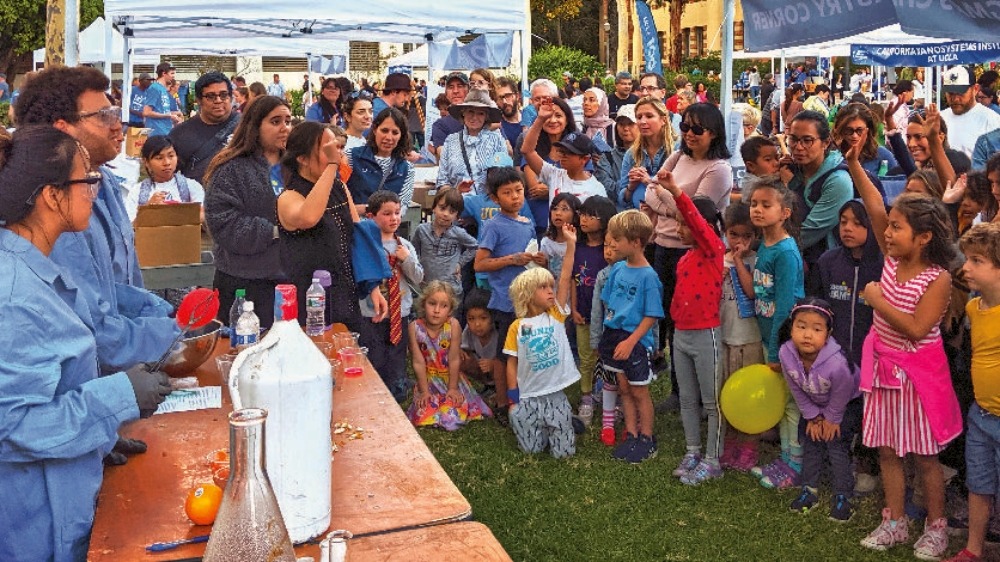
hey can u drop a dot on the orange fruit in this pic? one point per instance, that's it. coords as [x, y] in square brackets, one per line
[203, 503]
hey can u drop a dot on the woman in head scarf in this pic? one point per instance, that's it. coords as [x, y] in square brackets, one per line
[596, 115]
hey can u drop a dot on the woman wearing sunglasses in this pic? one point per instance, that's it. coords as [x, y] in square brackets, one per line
[327, 109]
[357, 118]
[58, 416]
[855, 124]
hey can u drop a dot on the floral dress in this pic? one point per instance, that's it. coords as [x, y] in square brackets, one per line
[440, 411]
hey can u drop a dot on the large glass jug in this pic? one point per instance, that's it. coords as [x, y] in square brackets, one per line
[249, 526]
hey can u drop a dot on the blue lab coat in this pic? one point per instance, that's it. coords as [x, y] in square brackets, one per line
[58, 418]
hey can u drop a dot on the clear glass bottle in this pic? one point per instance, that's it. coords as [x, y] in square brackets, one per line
[249, 526]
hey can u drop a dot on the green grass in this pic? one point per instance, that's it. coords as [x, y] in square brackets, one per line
[591, 507]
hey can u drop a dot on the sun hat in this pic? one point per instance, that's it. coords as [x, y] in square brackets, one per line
[478, 99]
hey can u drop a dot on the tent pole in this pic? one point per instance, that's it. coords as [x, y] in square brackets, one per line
[126, 77]
[937, 79]
[72, 23]
[781, 97]
[109, 40]
[729, 14]
[309, 78]
[526, 44]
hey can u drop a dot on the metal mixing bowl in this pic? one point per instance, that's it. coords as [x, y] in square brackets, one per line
[193, 350]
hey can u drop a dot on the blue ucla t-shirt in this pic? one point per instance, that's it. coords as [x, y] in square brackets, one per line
[631, 294]
[158, 98]
[504, 236]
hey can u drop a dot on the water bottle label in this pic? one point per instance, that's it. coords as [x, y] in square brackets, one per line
[744, 305]
[316, 301]
[244, 339]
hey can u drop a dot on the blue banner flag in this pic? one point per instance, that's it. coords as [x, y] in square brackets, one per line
[650, 40]
[970, 20]
[776, 24]
[956, 52]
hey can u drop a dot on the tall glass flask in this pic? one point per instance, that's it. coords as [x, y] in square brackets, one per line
[249, 526]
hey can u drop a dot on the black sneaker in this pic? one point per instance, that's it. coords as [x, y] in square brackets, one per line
[805, 502]
[840, 509]
[625, 447]
[644, 449]
[501, 416]
[579, 427]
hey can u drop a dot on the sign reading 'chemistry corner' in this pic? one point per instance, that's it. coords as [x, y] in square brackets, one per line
[775, 24]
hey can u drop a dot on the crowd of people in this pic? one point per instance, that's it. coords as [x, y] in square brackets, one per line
[593, 244]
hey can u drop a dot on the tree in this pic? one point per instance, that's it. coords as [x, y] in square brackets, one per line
[676, 8]
[22, 29]
[555, 11]
[550, 62]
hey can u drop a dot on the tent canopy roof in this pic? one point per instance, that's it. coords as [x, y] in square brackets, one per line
[397, 21]
[889, 35]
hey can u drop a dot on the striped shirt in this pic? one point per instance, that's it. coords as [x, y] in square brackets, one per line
[904, 297]
[480, 148]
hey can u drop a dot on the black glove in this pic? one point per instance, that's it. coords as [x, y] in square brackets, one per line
[150, 387]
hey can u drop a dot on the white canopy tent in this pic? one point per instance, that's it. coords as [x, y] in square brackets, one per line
[417, 58]
[93, 49]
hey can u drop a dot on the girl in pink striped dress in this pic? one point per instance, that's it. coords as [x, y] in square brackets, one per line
[910, 406]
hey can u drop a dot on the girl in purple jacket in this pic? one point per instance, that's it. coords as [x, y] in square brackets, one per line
[824, 383]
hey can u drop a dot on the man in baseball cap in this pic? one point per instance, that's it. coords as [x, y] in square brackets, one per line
[456, 87]
[967, 119]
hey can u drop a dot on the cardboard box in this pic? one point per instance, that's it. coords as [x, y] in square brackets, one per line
[168, 234]
[423, 194]
[134, 139]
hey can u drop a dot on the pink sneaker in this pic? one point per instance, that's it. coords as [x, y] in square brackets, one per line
[608, 436]
[887, 535]
[934, 542]
[730, 452]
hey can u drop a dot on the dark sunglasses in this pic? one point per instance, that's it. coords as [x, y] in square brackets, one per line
[696, 129]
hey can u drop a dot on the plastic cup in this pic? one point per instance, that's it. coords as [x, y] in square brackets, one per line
[337, 372]
[217, 459]
[225, 363]
[342, 340]
[353, 360]
[221, 477]
[325, 347]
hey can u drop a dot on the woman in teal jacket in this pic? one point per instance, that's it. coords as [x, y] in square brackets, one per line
[58, 418]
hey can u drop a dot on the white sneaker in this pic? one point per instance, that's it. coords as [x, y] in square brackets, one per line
[586, 413]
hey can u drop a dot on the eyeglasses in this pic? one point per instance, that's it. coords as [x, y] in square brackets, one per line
[110, 116]
[216, 96]
[92, 180]
[510, 96]
[858, 132]
[806, 142]
[360, 94]
[644, 89]
[478, 83]
[696, 128]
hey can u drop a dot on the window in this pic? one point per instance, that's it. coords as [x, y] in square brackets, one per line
[364, 57]
[686, 42]
[738, 36]
[274, 65]
[661, 37]
[698, 48]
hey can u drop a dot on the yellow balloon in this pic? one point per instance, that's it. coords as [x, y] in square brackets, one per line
[753, 399]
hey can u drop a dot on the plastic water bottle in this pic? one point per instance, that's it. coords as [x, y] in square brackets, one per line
[247, 328]
[287, 375]
[744, 304]
[325, 281]
[236, 310]
[883, 168]
[315, 309]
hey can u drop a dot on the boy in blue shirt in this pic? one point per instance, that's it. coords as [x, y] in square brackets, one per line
[502, 255]
[633, 297]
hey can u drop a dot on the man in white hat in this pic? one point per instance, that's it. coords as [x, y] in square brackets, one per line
[465, 153]
[967, 119]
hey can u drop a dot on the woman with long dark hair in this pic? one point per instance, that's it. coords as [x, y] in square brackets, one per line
[316, 217]
[381, 163]
[327, 108]
[239, 208]
[558, 126]
[855, 123]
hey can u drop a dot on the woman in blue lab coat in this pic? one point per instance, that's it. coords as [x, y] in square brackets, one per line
[58, 418]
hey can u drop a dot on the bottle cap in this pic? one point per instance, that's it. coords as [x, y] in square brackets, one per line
[241, 293]
[324, 278]
[286, 306]
[248, 306]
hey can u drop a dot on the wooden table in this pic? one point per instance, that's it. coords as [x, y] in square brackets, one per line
[386, 481]
[467, 541]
